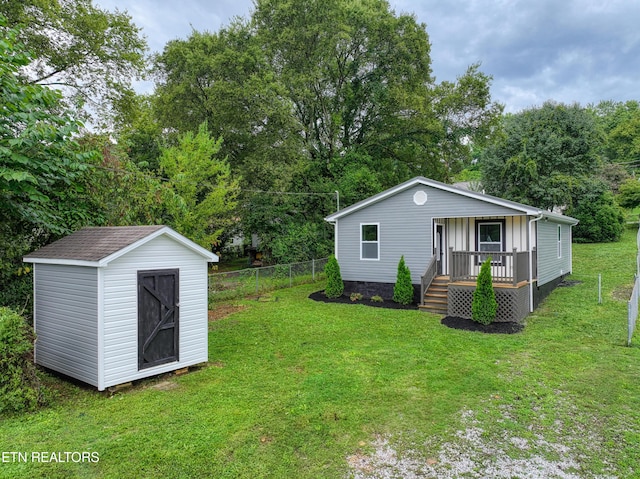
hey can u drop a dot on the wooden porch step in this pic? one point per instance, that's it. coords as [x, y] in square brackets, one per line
[436, 297]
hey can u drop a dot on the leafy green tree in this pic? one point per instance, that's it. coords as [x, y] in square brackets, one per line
[201, 197]
[224, 79]
[335, 285]
[122, 192]
[359, 79]
[403, 289]
[42, 168]
[317, 96]
[620, 124]
[629, 194]
[544, 155]
[140, 135]
[601, 219]
[90, 53]
[484, 306]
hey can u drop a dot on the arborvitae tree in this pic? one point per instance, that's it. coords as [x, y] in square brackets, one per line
[335, 286]
[484, 306]
[403, 289]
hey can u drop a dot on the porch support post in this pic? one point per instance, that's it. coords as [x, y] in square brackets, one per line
[452, 269]
[515, 266]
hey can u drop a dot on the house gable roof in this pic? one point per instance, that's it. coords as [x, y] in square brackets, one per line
[98, 246]
[419, 180]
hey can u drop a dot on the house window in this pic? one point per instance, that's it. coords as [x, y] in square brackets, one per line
[370, 241]
[490, 238]
[559, 241]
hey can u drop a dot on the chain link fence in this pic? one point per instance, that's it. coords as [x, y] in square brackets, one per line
[245, 282]
[632, 305]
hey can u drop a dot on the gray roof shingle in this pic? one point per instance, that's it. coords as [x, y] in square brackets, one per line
[95, 243]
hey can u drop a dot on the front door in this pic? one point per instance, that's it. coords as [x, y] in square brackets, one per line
[157, 317]
[439, 249]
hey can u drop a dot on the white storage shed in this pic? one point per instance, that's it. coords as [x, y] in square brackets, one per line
[116, 304]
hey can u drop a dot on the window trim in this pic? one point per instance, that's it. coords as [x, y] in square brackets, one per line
[363, 242]
[503, 238]
[559, 241]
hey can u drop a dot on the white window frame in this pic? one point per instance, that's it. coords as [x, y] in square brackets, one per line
[363, 242]
[503, 227]
[559, 241]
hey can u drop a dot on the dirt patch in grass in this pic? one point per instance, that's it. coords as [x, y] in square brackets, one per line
[223, 310]
[622, 293]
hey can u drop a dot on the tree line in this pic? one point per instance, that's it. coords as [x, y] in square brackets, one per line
[259, 127]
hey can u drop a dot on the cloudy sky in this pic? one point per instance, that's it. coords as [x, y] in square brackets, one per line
[569, 51]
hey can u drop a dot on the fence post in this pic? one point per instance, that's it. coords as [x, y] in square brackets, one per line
[290, 275]
[599, 288]
[257, 280]
[632, 310]
[629, 322]
[313, 270]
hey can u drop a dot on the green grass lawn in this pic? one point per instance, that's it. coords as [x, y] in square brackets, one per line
[299, 389]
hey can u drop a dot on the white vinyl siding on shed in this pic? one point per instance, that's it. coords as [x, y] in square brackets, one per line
[120, 318]
[66, 306]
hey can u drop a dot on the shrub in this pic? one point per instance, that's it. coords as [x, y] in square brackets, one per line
[20, 388]
[484, 306]
[335, 286]
[601, 218]
[355, 296]
[403, 289]
[629, 193]
[377, 299]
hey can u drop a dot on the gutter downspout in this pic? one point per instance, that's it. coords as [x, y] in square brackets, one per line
[533, 220]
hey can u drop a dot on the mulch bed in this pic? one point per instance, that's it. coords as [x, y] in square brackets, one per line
[493, 328]
[449, 321]
[387, 303]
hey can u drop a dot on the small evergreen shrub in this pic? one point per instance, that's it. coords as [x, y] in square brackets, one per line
[484, 306]
[335, 286]
[355, 297]
[20, 388]
[377, 299]
[403, 289]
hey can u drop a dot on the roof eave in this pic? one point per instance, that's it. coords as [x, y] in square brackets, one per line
[211, 257]
[103, 262]
[62, 261]
[525, 209]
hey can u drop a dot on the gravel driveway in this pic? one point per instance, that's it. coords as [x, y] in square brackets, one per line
[474, 454]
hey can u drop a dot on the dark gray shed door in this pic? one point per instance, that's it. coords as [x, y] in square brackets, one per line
[157, 317]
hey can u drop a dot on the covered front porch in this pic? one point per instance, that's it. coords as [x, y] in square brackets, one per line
[461, 245]
[507, 267]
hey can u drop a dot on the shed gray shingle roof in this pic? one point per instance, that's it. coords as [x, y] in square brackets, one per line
[94, 244]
